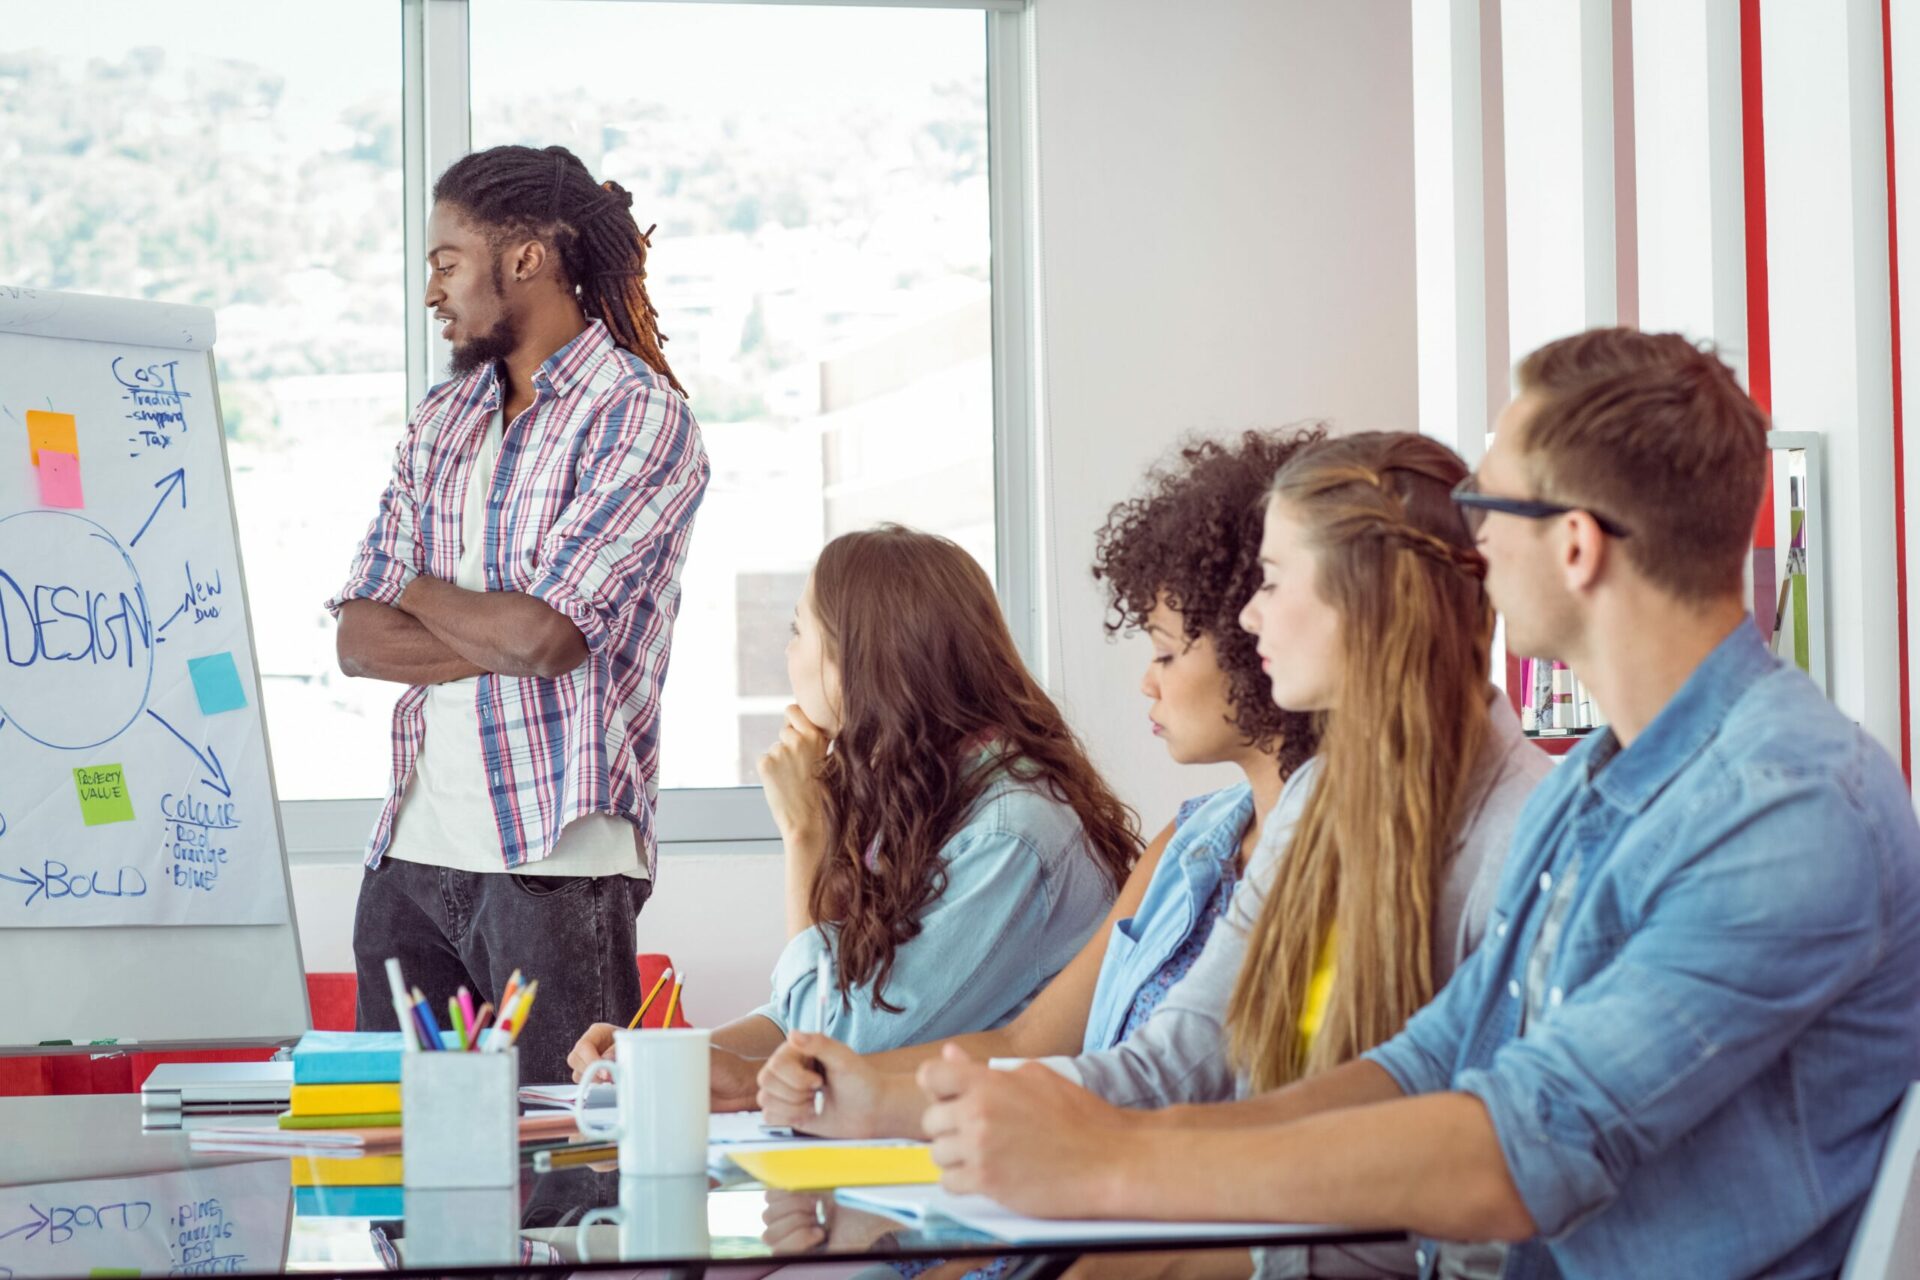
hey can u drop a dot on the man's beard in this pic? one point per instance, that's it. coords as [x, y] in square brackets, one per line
[495, 344]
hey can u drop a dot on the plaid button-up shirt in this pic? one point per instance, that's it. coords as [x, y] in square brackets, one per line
[591, 504]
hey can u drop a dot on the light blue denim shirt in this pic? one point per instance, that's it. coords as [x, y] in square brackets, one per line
[1205, 843]
[1727, 1008]
[1023, 892]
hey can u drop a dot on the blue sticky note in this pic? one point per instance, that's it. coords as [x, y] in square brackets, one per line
[216, 682]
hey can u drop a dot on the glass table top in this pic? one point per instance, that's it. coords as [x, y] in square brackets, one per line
[86, 1192]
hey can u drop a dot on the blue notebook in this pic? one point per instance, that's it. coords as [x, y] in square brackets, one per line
[350, 1057]
[349, 1202]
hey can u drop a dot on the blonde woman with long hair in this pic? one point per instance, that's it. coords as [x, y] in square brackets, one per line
[1374, 612]
[1371, 613]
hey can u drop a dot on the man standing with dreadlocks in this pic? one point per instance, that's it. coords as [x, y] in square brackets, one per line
[522, 577]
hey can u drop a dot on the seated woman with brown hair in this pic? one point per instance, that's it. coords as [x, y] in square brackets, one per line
[948, 844]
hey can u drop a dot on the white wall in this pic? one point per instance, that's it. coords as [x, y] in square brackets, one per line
[1558, 90]
[1226, 240]
[1691, 214]
[1825, 116]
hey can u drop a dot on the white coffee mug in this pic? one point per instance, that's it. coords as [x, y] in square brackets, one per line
[659, 1218]
[660, 1081]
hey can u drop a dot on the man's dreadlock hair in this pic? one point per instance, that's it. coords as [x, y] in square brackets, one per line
[548, 194]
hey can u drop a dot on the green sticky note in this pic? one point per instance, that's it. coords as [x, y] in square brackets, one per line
[112, 1273]
[103, 794]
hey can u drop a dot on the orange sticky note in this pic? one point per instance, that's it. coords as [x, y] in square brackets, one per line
[49, 430]
[60, 480]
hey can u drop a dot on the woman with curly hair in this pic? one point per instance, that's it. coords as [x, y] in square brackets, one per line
[948, 844]
[1178, 561]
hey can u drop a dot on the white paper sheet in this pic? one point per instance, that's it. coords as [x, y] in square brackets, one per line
[915, 1205]
[130, 717]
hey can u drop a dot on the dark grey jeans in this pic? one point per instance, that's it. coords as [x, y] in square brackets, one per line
[460, 928]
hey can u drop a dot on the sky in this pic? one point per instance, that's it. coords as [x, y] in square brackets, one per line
[748, 55]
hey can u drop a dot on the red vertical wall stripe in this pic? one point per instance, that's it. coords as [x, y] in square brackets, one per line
[1899, 434]
[1753, 168]
[1754, 172]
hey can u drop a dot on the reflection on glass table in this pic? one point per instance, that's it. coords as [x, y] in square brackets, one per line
[85, 1191]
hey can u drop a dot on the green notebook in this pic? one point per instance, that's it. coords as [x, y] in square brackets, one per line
[371, 1120]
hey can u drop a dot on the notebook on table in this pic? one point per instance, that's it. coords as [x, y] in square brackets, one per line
[924, 1205]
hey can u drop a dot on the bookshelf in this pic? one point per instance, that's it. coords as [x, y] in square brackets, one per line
[1558, 744]
[1786, 585]
[1787, 581]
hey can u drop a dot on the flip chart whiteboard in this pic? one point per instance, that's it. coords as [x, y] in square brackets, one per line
[140, 848]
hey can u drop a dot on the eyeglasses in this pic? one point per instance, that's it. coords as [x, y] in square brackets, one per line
[1474, 505]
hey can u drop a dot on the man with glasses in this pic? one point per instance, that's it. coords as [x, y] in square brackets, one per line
[1680, 1047]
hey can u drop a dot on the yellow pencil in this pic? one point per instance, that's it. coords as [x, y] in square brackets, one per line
[526, 1007]
[673, 1002]
[647, 1003]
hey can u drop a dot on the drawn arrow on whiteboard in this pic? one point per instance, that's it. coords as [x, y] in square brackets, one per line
[210, 762]
[39, 887]
[38, 1224]
[175, 479]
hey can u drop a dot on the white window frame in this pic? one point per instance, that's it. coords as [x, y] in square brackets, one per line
[436, 91]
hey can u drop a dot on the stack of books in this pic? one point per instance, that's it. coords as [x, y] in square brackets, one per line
[345, 1080]
[358, 1187]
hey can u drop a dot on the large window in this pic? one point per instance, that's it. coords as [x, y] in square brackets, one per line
[246, 157]
[819, 177]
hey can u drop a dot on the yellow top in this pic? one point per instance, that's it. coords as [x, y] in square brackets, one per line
[1319, 992]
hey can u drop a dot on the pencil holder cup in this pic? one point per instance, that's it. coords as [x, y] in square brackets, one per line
[661, 1081]
[658, 1218]
[462, 1226]
[460, 1119]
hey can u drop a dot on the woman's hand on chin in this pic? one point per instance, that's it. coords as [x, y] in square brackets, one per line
[790, 772]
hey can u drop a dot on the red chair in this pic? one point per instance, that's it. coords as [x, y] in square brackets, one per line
[329, 995]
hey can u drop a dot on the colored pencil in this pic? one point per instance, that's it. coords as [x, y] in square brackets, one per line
[673, 1002]
[822, 979]
[647, 1003]
[526, 1008]
[402, 1007]
[427, 1019]
[480, 1021]
[513, 989]
[582, 1153]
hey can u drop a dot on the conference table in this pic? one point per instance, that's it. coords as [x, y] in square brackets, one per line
[86, 1191]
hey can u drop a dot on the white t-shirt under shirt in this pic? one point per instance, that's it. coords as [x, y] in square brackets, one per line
[446, 819]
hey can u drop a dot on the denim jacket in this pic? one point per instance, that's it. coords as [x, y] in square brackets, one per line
[1699, 1001]
[1203, 845]
[1023, 891]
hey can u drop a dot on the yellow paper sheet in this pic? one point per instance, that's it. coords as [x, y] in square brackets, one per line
[819, 1168]
[364, 1171]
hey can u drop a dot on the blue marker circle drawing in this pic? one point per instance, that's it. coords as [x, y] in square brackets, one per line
[76, 636]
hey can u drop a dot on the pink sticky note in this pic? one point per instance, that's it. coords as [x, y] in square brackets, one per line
[60, 480]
